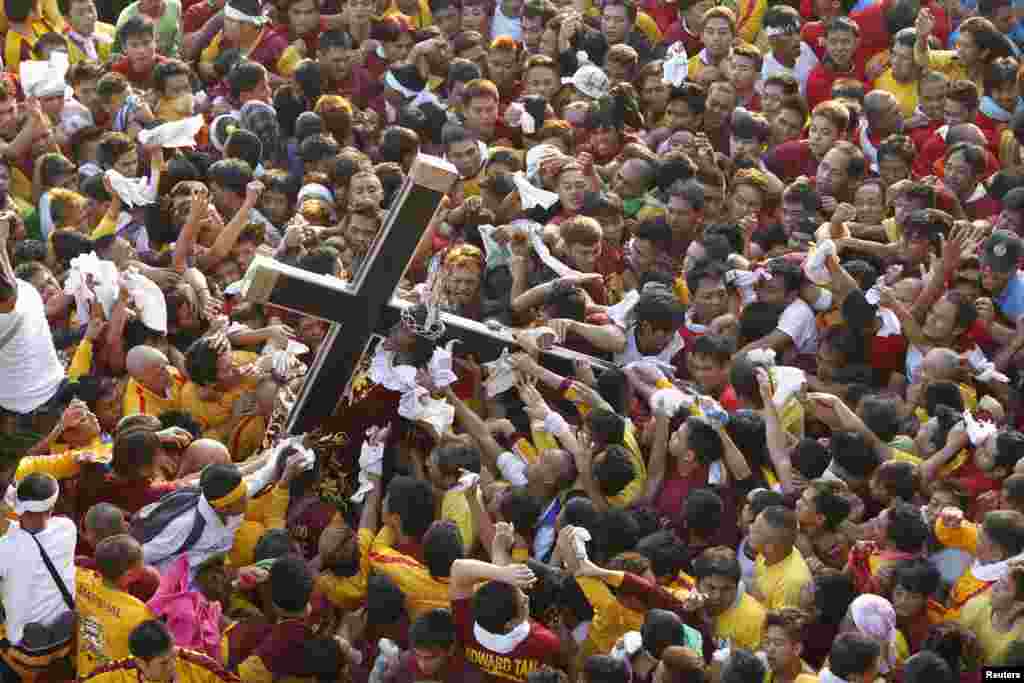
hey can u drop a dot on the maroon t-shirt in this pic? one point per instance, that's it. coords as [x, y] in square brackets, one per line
[540, 647]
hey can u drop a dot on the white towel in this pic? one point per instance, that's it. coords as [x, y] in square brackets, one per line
[174, 134]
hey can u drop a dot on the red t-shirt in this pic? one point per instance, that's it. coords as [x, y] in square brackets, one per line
[821, 78]
[540, 647]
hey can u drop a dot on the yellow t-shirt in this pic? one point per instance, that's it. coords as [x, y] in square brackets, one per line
[946, 61]
[906, 93]
[611, 619]
[967, 586]
[742, 624]
[749, 15]
[421, 20]
[139, 400]
[455, 508]
[780, 583]
[217, 413]
[103, 47]
[423, 592]
[106, 615]
[63, 463]
[348, 592]
[893, 230]
[976, 616]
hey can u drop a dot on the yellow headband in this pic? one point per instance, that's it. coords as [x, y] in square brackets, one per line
[236, 494]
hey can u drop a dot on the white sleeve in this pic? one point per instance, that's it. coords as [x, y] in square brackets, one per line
[797, 321]
[169, 540]
[512, 468]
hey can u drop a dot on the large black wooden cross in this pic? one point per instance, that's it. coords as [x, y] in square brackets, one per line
[363, 308]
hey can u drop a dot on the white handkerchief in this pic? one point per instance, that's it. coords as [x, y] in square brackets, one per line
[132, 191]
[39, 79]
[174, 134]
[529, 194]
[102, 274]
[814, 264]
[149, 300]
[676, 65]
[441, 366]
[371, 461]
[979, 431]
[501, 376]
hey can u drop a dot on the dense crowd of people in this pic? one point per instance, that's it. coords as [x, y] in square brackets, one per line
[781, 241]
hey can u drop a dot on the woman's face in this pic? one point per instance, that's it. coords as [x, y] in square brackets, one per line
[908, 604]
[572, 187]
[870, 204]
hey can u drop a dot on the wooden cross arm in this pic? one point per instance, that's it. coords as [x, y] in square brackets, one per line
[328, 298]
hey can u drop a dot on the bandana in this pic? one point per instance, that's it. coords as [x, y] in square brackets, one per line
[502, 643]
[236, 494]
[23, 506]
[232, 13]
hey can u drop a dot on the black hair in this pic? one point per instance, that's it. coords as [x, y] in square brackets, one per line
[442, 545]
[274, 543]
[833, 594]
[1009, 448]
[748, 432]
[150, 639]
[917, 576]
[613, 471]
[702, 439]
[713, 565]
[881, 416]
[434, 629]
[183, 419]
[291, 583]
[661, 629]
[413, 501]
[1006, 529]
[136, 27]
[810, 458]
[851, 452]
[322, 260]
[494, 605]
[619, 532]
[905, 529]
[704, 269]
[385, 601]
[943, 393]
[758, 320]
[830, 505]
[853, 654]
[234, 175]
[201, 361]
[244, 76]
[605, 668]
[720, 348]
[316, 148]
[927, 667]
[743, 666]
[702, 510]
[664, 551]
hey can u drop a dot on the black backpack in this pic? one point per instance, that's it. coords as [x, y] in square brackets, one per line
[151, 520]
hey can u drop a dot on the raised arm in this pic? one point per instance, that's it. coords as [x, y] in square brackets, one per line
[467, 573]
[229, 235]
[475, 426]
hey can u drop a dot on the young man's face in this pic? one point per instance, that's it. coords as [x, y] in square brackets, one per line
[542, 81]
[841, 46]
[160, 669]
[465, 156]
[482, 114]
[615, 23]
[503, 67]
[275, 206]
[304, 17]
[679, 116]
[718, 37]
[711, 299]
[82, 16]
[448, 21]
[743, 72]
[710, 374]
[931, 97]
[954, 113]
[141, 51]
[474, 18]
[128, 164]
[8, 118]
[904, 68]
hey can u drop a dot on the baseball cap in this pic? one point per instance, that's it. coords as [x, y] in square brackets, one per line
[1002, 251]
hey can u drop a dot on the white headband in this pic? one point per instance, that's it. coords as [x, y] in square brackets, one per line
[23, 506]
[232, 13]
[392, 82]
[772, 31]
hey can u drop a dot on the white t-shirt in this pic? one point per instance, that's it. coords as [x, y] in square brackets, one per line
[805, 63]
[30, 371]
[797, 321]
[29, 592]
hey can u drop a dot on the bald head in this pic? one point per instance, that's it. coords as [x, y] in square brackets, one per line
[200, 453]
[965, 132]
[878, 101]
[104, 520]
[143, 358]
[941, 365]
